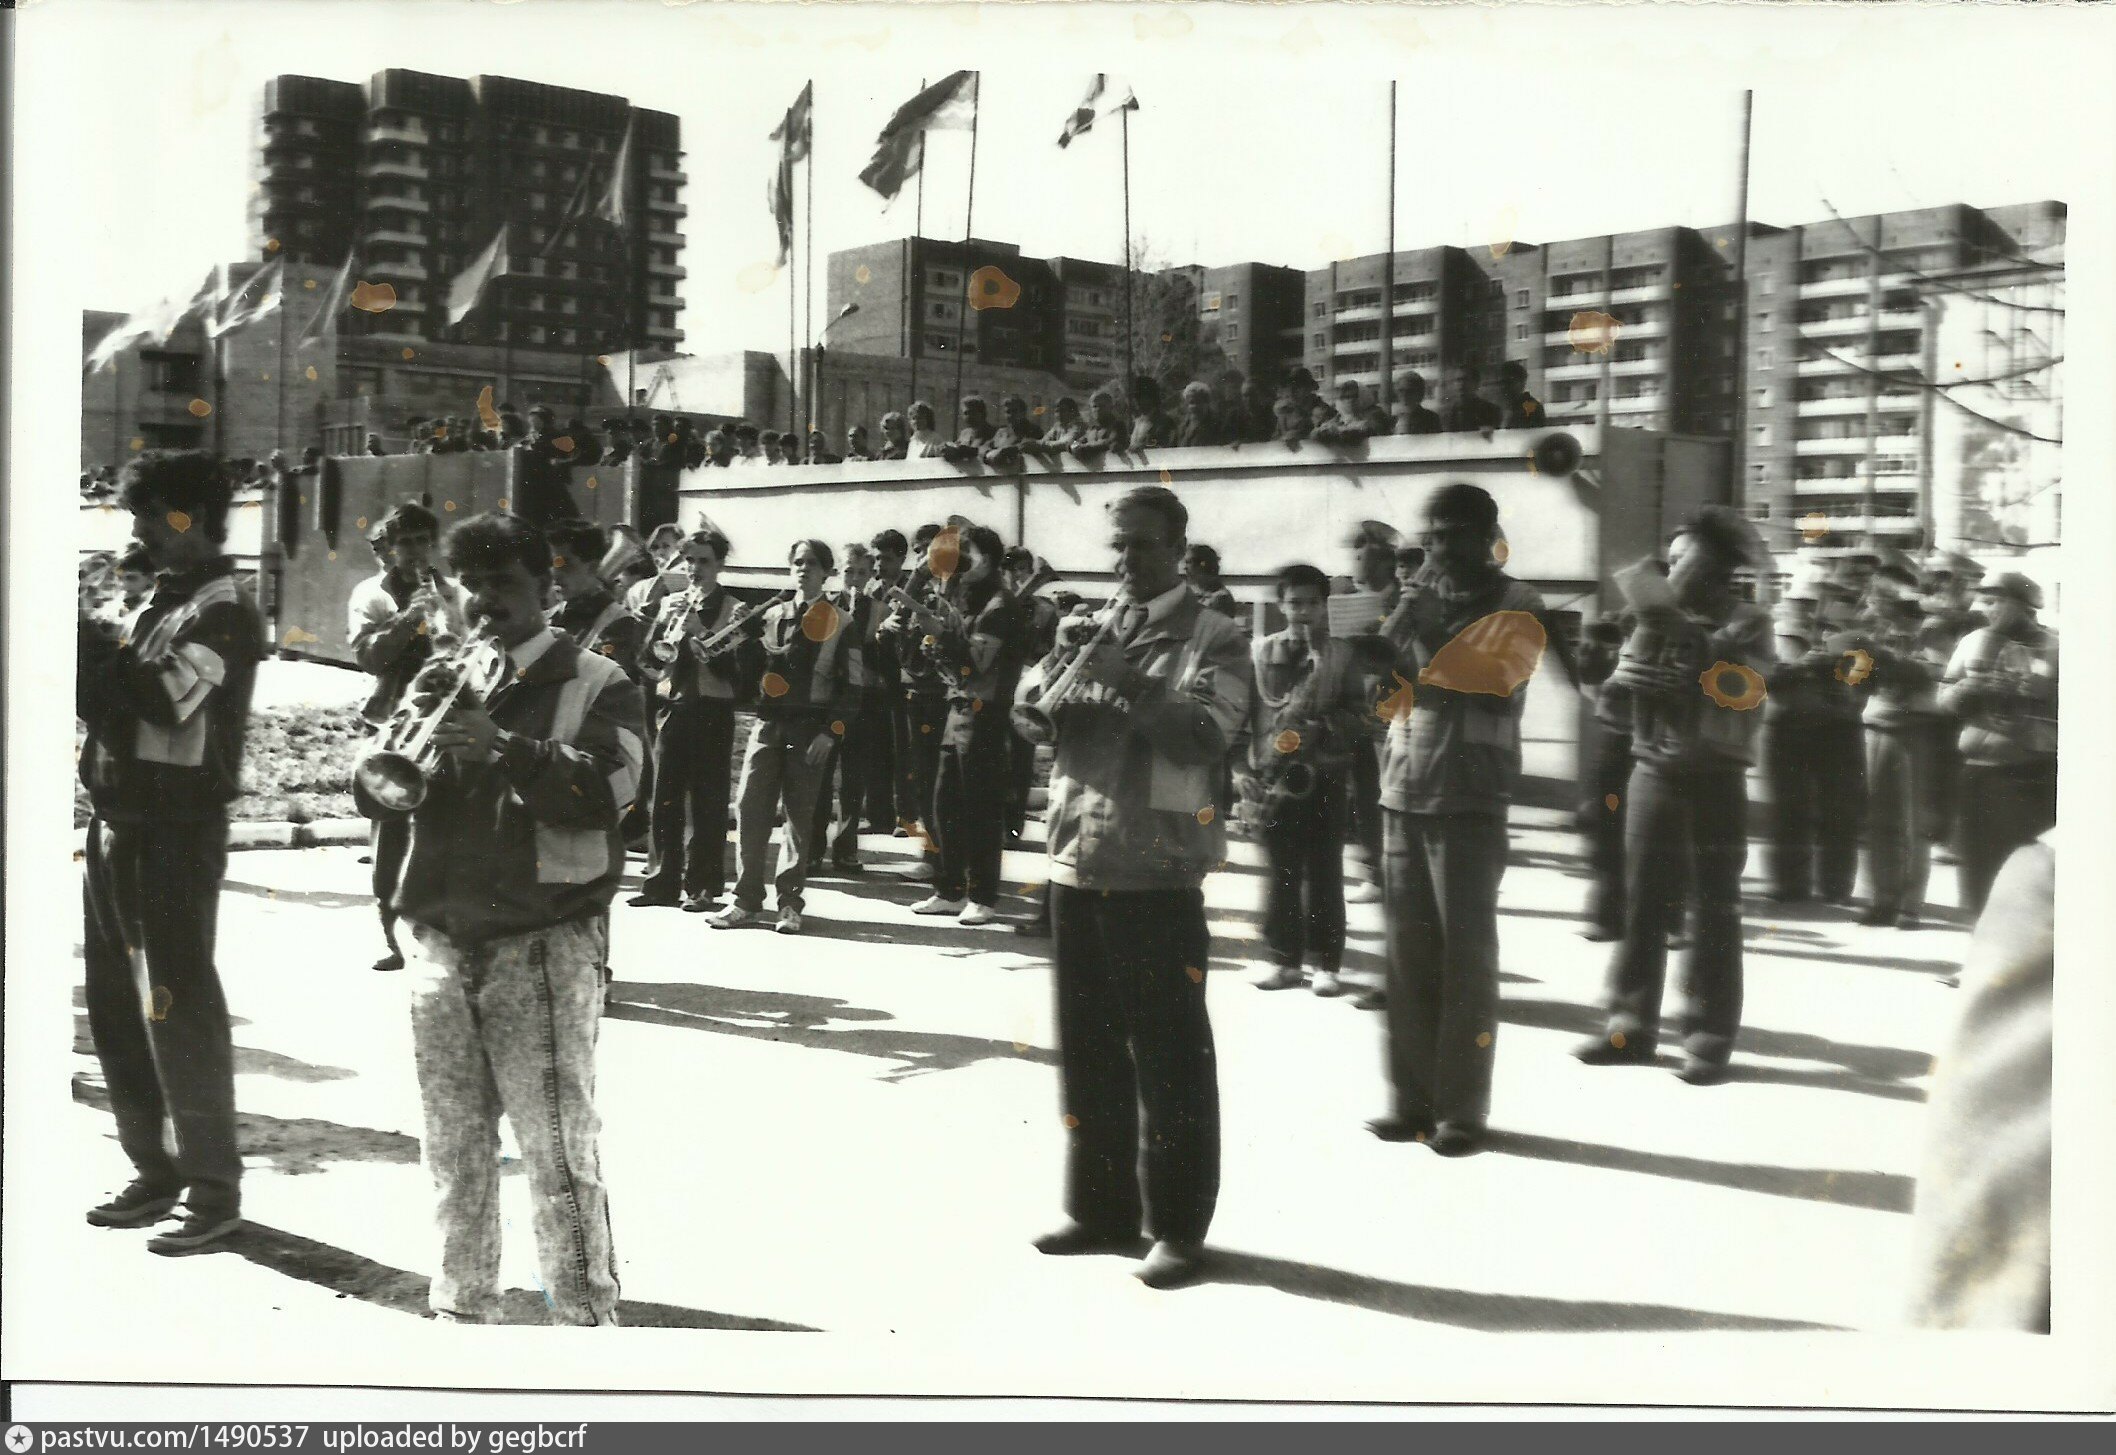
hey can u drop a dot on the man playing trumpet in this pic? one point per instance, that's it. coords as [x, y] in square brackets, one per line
[515, 857]
[1311, 714]
[1141, 719]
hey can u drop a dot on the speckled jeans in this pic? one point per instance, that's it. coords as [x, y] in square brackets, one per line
[510, 1026]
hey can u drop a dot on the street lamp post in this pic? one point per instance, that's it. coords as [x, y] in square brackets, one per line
[815, 355]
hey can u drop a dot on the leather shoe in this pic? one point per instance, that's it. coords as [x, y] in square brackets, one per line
[1397, 1129]
[1700, 1072]
[392, 961]
[1613, 1050]
[700, 903]
[1077, 1238]
[1171, 1265]
[653, 901]
[1458, 1141]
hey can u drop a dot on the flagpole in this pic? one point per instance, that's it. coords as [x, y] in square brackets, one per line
[279, 370]
[969, 207]
[793, 356]
[1124, 121]
[913, 292]
[808, 311]
[1388, 279]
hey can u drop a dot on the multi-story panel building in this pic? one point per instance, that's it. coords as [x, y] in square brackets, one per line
[914, 302]
[1251, 312]
[419, 173]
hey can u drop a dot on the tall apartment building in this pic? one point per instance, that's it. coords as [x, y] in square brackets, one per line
[1252, 312]
[419, 172]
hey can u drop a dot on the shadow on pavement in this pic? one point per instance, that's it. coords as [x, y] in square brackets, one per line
[1486, 1312]
[807, 1021]
[1870, 1070]
[296, 1146]
[350, 1275]
[1880, 1191]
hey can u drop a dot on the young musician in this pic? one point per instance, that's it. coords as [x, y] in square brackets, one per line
[1467, 637]
[1311, 713]
[166, 702]
[1695, 669]
[808, 671]
[979, 651]
[587, 611]
[923, 716]
[1141, 733]
[1040, 621]
[854, 757]
[2001, 686]
[886, 689]
[392, 622]
[1901, 715]
[694, 740]
[515, 856]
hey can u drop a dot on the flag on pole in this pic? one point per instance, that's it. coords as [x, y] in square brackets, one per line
[899, 151]
[794, 133]
[340, 293]
[612, 207]
[469, 285]
[576, 209]
[264, 291]
[1106, 96]
[129, 330]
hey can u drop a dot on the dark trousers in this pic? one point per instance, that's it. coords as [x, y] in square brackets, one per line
[1304, 905]
[1706, 815]
[693, 756]
[844, 791]
[156, 1012]
[878, 775]
[1817, 773]
[1898, 855]
[638, 821]
[1021, 779]
[1133, 1033]
[968, 821]
[1999, 809]
[1365, 803]
[1943, 761]
[1605, 818]
[917, 724]
[389, 840]
[1440, 904]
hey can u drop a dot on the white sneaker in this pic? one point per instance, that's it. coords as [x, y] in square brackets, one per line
[922, 871]
[1326, 984]
[789, 922]
[1280, 977]
[1360, 891]
[935, 904]
[978, 914]
[733, 915]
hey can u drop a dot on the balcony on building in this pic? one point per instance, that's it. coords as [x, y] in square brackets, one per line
[1654, 399]
[1851, 325]
[396, 272]
[663, 172]
[668, 209]
[1900, 364]
[391, 233]
[1586, 368]
[1638, 366]
[1855, 445]
[1644, 293]
[665, 236]
[395, 167]
[1593, 297]
[410, 133]
[667, 270]
[1826, 365]
[384, 200]
[675, 335]
[1365, 313]
[1854, 404]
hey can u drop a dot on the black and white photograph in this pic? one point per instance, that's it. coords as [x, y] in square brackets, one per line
[1335, 705]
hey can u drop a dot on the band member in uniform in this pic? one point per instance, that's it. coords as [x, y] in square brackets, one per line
[924, 713]
[886, 689]
[1311, 712]
[1469, 637]
[1040, 622]
[2001, 686]
[1373, 546]
[694, 741]
[807, 667]
[1142, 716]
[393, 620]
[515, 856]
[587, 611]
[854, 757]
[166, 702]
[1695, 668]
[979, 649]
[1901, 713]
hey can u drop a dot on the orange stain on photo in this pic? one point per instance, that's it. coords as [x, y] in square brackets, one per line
[163, 999]
[410, 354]
[1197, 976]
[178, 521]
[945, 554]
[1610, 802]
[992, 288]
[1492, 656]
[1855, 667]
[312, 373]
[1070, 1121]
[1730, 684]
[199, 408]
[774, 685]
[374, 297]
[1398, 703]
[1206, 814]
[1593, 332]
[1287, 742]
[863, 274]
[487, 415]
[821, 621]
[837, 727]
[563, 444]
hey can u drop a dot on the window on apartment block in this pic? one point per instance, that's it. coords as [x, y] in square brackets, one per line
[1521, 298]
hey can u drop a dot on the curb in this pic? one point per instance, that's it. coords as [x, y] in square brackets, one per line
[279, 834]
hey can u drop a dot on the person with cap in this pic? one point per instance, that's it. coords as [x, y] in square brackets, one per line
[393, 621]
[1832, 812]
[1901, 716]
[975, 436]
[2001, 685]
[921, 714]
[1949, 581]
[1789, 769]
[587, 610]
[1414, 418]
[1695, 668]
[1151, 428]
[1469, 410]
[1519, 408]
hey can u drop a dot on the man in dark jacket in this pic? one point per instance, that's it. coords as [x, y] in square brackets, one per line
[1410, 395]
[166, 703]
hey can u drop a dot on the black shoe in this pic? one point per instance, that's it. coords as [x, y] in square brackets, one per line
[1035, 926]
[850, 868]
[1878, 918]
[653, 899]
[367, 859]
[1614, 1049]
[1699, 1072]
[135, 1207]
[1595, 934]
[1077, 1238]
[1458, 1141]
[699, 903]
[197, 1233]
[1371, 1000]
[1909, 922]
[1171, 1265]
[1397, 1129]
[392, 961]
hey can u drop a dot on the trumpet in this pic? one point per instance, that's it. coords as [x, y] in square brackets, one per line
[729, 637]
[1041, 716]
[397, 765]
[943, 616]
[663, 651]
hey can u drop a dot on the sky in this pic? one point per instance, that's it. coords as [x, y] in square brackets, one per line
[1262, 134]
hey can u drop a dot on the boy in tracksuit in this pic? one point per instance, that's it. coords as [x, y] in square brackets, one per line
[166, 701]
[1310, 718]
[515, 856]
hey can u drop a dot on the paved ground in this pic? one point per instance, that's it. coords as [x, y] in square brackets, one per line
[857, 1132]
